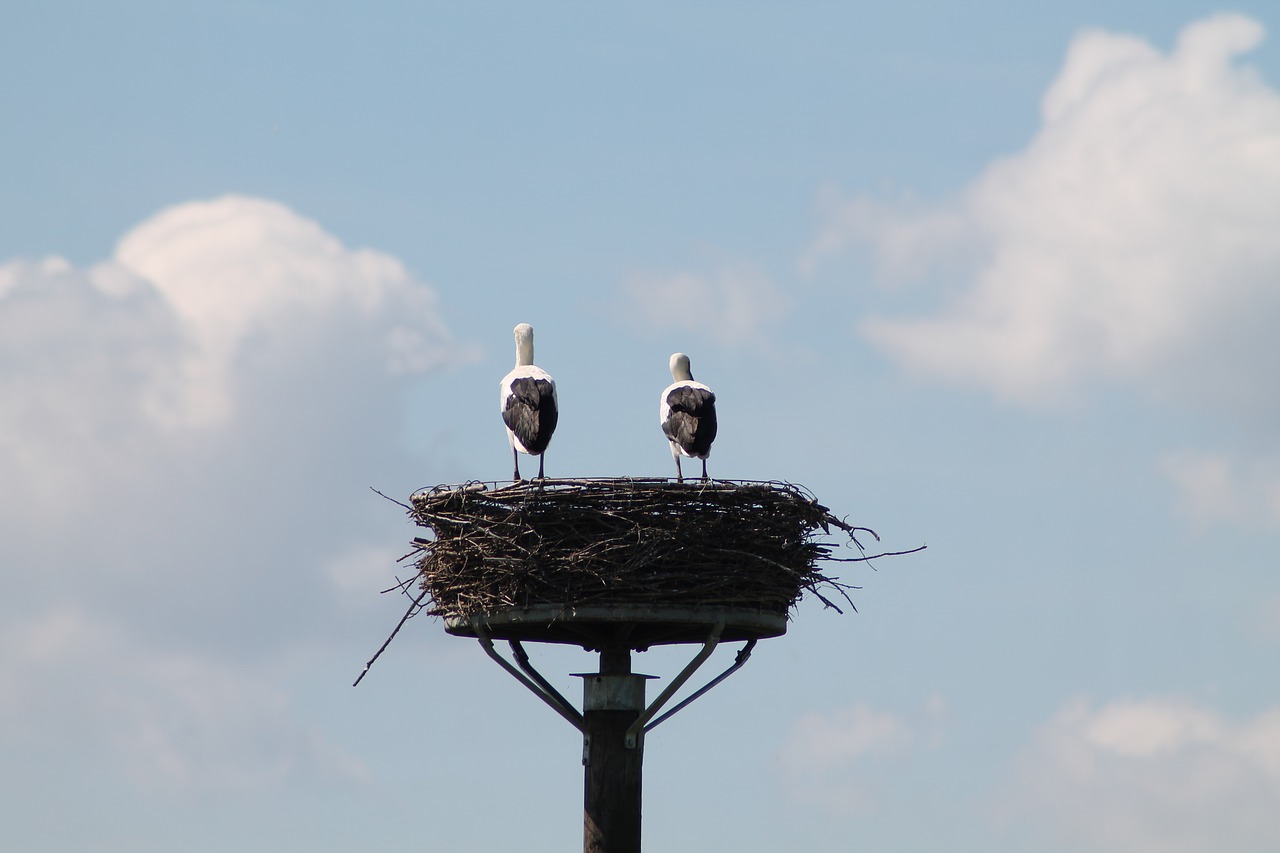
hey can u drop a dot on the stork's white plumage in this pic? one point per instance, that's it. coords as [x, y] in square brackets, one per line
[528, 402]
[687, 412]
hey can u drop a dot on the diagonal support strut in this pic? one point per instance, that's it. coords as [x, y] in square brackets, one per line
[738, 661]
[713, 639]
[537, 685]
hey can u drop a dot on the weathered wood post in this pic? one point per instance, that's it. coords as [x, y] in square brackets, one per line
[613, 700]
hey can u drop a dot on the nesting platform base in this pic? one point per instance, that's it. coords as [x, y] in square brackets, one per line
[635, 626]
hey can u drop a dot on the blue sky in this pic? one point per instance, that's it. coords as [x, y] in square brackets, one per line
[994, 278]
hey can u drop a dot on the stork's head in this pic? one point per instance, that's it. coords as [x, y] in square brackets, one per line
[680, 367]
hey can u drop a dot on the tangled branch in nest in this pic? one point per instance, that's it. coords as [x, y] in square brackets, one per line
[614, 542]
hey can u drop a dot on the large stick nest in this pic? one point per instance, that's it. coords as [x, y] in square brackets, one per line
[613, 542]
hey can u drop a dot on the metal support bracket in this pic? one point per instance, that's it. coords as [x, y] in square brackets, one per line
[537, 685]
[522, 659]
[737, 664]
[638, 727]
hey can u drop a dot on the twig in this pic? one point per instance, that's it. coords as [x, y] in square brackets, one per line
[869, 558]
[416, 605]
[393, 500]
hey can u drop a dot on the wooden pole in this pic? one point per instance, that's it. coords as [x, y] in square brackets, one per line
[613, 700]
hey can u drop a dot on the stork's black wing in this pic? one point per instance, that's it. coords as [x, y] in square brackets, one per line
[691, 424]
[531, 413]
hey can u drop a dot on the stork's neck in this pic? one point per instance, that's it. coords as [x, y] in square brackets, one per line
[524, 351]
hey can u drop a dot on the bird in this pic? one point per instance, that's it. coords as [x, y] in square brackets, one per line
[528, 402]
[687, 412]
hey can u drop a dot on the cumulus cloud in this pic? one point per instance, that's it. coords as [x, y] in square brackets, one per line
[827, 755]
[163, 717]
[188, 433]
[249, 278]
[1131, 241]
[203, 308]
[734, 305]
[1215, 488]
[84, 356]
[909, 237]
[1151, 775]
[1268, 618]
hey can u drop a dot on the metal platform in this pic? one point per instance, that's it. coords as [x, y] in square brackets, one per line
[632, 626]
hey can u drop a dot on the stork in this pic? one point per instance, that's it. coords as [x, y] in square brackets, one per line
[528, 402]
[687, 412]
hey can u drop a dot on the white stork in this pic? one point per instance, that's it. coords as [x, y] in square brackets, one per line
[528, 402]
[687, 412]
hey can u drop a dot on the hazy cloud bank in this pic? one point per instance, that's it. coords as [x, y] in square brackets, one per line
[735, 305]
[1150, 775]
[188, 431]
[832, 758]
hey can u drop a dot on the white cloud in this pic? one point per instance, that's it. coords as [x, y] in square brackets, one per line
[822, 741]
[826, 756]
[735, 305]
[83, 356]
[1132, 240]
[1206, 488]
[1268, 618]
[1148, 729]
[1151, 776]
[188, 433]
[1214, 488]
[247, 277]
[162, 717]
[909, 237]
[208, 311]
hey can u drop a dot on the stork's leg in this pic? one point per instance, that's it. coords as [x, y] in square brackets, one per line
[704, 469]
[541, 456]
[679, 474]
[515, 457]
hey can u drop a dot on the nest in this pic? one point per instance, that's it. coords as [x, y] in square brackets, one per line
[565, 546]
[617, 542]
